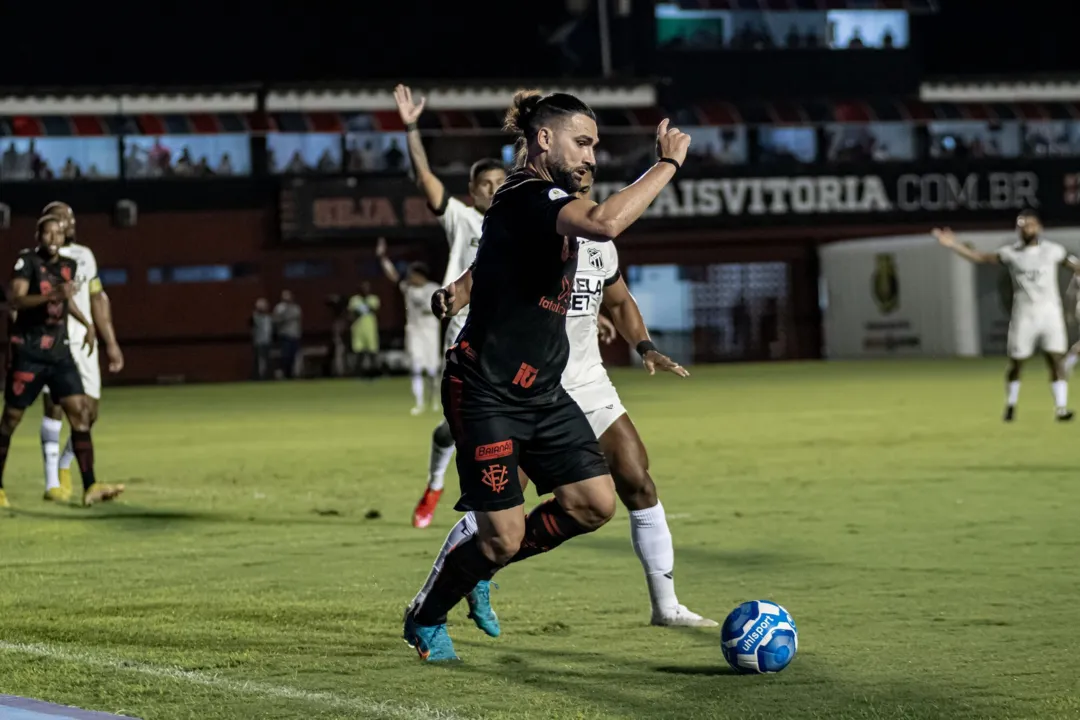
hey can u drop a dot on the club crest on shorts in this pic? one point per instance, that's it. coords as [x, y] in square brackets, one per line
[496, 477]
[596, 258]
[886, 286]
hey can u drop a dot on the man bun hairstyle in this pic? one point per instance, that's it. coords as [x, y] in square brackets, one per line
[531, 111]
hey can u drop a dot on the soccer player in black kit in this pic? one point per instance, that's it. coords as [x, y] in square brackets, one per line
[39, 356]
[501, 391]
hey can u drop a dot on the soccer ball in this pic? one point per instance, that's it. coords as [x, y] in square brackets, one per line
[759, 637]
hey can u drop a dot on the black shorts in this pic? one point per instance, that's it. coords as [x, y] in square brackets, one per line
[28, 374]
[553, 443]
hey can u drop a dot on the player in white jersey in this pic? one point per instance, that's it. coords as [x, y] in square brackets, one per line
[1038, 319]
[599, 282]
[93, 302]
[421, 326]
[462, 224]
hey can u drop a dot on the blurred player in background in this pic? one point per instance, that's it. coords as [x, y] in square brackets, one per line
[1038, 319]
[599, 282]
[363, 308]
[39, 356]
[92, 301]
[422, 341]
[462, 225]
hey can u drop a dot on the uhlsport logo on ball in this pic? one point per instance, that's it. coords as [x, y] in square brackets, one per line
[759, 637]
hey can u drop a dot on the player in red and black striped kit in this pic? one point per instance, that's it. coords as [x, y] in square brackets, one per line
[501, 388]
[39, 356]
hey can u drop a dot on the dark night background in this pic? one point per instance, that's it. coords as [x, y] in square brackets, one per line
[200, 43]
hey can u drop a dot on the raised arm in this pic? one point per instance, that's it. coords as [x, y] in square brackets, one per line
[387, 267]
[626, 315]
[607, 220]
[947, 238]
[410, 111]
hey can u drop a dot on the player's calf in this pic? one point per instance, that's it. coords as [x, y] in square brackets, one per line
[576, 509]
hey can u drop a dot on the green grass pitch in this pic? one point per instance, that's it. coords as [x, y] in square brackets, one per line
[928, 552]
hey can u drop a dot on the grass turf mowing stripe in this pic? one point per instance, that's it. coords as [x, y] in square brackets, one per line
[373, 708]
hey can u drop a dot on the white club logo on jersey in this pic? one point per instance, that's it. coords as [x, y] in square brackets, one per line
[19, 264]
[556, 193]
[596, 258]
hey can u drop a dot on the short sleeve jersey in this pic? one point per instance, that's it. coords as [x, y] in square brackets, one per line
[418, 315]
[42, 330]
[597, 268]
[513, 347]
[1034, 272]
[462, 224]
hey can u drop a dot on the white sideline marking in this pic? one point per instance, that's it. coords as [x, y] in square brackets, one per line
[385, 709]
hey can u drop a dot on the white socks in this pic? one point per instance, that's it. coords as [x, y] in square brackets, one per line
[1012, 392]
[1060, 389]
[441, 455]
[68, 456]
[418, 389]
[651, 539]
[463, 529]
[652, 542]
[50, 450]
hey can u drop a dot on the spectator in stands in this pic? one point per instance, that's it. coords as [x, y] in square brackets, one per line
[288, 319]
[887, 40]
[225, 166]
[184, 165]
[856, 42]
[393, 157]
[327, 164]
[159, 159]
[70, 171]
[794, 38]
[811, 40]
[262, 337]
[296, 164]
[92, 172]
[133, 164]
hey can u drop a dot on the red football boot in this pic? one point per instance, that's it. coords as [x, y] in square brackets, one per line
[425, 509]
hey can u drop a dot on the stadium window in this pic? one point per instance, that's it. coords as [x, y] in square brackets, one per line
[305, 269]
[878, 29]
[303, 153]
[199, 273]
[113, 276]
[784, 144]
[182, 156]
[59, 158]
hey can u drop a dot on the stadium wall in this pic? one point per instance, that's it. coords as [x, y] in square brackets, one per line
[906, 296]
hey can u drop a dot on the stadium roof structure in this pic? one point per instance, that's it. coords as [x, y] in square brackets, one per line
[466, 122]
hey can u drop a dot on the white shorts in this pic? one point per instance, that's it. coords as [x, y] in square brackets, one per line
[422, 347]
[601, 404]
[1029, 333]
[89, 369]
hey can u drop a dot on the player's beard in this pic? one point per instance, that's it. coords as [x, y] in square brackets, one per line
[571, 179]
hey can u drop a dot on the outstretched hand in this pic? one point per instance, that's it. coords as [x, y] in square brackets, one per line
[654, 359]
[408, 109]
[945, 236]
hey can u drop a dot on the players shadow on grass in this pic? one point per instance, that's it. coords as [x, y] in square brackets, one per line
[116, 513]
[692, 688]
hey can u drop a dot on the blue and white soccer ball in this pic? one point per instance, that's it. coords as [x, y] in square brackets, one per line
[759, 637]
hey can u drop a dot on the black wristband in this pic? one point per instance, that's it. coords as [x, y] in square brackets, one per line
[645, 346]
[673, 161]
[409, 127]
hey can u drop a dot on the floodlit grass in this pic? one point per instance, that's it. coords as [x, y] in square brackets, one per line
[927, 551]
